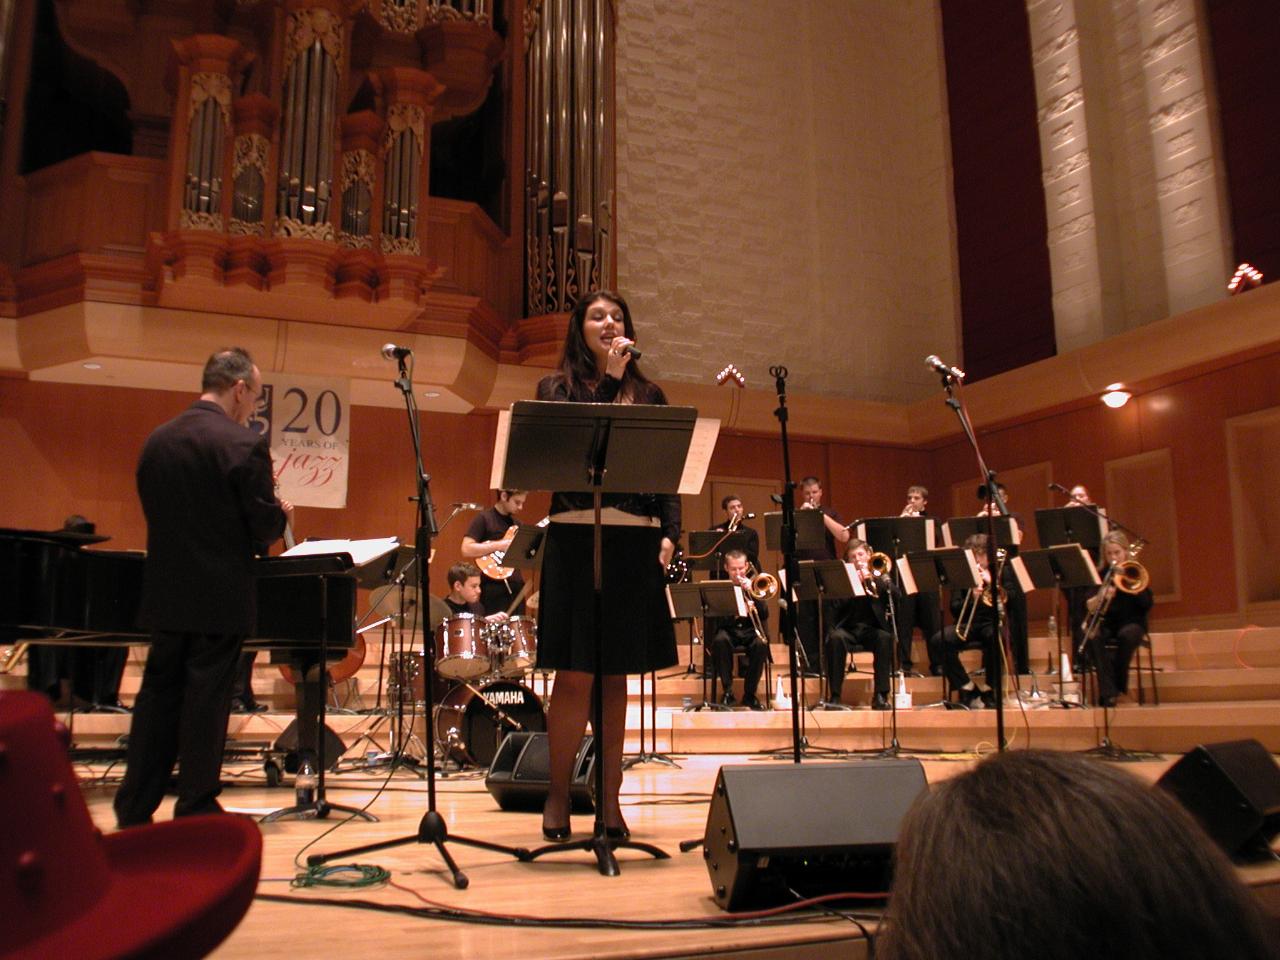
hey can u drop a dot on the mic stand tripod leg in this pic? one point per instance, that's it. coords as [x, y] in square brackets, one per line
[432, 828]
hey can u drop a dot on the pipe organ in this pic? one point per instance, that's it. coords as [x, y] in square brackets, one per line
[569, 196]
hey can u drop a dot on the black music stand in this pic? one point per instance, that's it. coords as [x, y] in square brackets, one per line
[897, 536]
[597, 448]
[811, 534]
[321, 567]
[1059, 568]
[1062, 525]
[388, 573]
[959, 529]
[824, 580]
[932, 571]
[698, 601]
[432, 827]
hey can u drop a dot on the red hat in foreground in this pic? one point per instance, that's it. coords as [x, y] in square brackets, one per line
[170, 890]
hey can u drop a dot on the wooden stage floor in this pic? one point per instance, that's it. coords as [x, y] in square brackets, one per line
[663, 806]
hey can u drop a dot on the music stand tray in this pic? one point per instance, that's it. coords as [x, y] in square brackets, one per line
[811, 531]
[959, 529]
[525, 552]
[715, 544]
[898, 535]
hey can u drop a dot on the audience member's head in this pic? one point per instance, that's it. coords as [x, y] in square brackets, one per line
[1053, 855]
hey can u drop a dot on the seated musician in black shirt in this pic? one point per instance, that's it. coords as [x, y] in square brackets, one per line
[979, 627]
[862, 623]
[464, 593]
[1124, 623]
[739, 633]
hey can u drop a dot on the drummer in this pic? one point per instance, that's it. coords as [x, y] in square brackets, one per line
[464, 593]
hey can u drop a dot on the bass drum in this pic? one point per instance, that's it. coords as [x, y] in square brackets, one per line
[471, 722]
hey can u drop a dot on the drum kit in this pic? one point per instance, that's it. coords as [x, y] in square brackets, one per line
[484, 665]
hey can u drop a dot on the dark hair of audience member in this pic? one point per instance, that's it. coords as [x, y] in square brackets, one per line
[1051, 855]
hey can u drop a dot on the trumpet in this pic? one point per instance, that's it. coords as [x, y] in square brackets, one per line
[877, 569]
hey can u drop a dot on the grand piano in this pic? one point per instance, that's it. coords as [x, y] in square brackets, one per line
[57, 587]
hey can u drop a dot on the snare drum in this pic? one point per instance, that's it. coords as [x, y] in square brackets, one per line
[513, 646]
[462, 650]
[471, 722]
[406, 680]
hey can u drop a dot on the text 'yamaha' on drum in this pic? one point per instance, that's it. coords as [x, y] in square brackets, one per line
[513, 645]
[471, 721]
[462, 648]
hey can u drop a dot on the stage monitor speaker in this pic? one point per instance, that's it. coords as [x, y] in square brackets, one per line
[810, 828]
[1233, 790]
[287, 744]
[519, 776]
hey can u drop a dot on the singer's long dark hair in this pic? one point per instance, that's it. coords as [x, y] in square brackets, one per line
[578, 364]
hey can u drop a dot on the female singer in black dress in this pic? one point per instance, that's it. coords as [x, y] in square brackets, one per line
[638, 541]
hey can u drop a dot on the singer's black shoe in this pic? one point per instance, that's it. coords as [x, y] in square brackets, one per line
[556, 833]
[751, 703]
[622, 832]
[988, 699]
[728, 700]
[969, 697]
[880, 702]
[245, 705]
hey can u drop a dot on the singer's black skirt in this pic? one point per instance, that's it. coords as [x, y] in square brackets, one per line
[638, 632]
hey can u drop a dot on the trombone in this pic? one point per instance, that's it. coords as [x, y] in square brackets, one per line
[758, 586]
[969, 609]
[877, 569]
[1128, 576]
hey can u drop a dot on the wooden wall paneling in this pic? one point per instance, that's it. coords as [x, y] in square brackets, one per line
[1253, 469]
[1140, 493]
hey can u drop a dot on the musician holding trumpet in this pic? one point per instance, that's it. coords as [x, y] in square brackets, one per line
[863, 623]
[742, 633]
[1117, 617]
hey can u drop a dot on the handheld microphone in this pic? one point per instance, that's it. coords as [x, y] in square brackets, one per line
[392, 352]
[933, 362]
[635, 354]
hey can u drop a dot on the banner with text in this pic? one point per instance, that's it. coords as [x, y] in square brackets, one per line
[309, 430]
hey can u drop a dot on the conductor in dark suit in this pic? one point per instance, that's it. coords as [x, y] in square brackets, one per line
[205, 482]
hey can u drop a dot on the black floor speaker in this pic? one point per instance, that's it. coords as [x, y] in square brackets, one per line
[287, 743]
[1233, 789]
[778, 832]
[518, 778]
